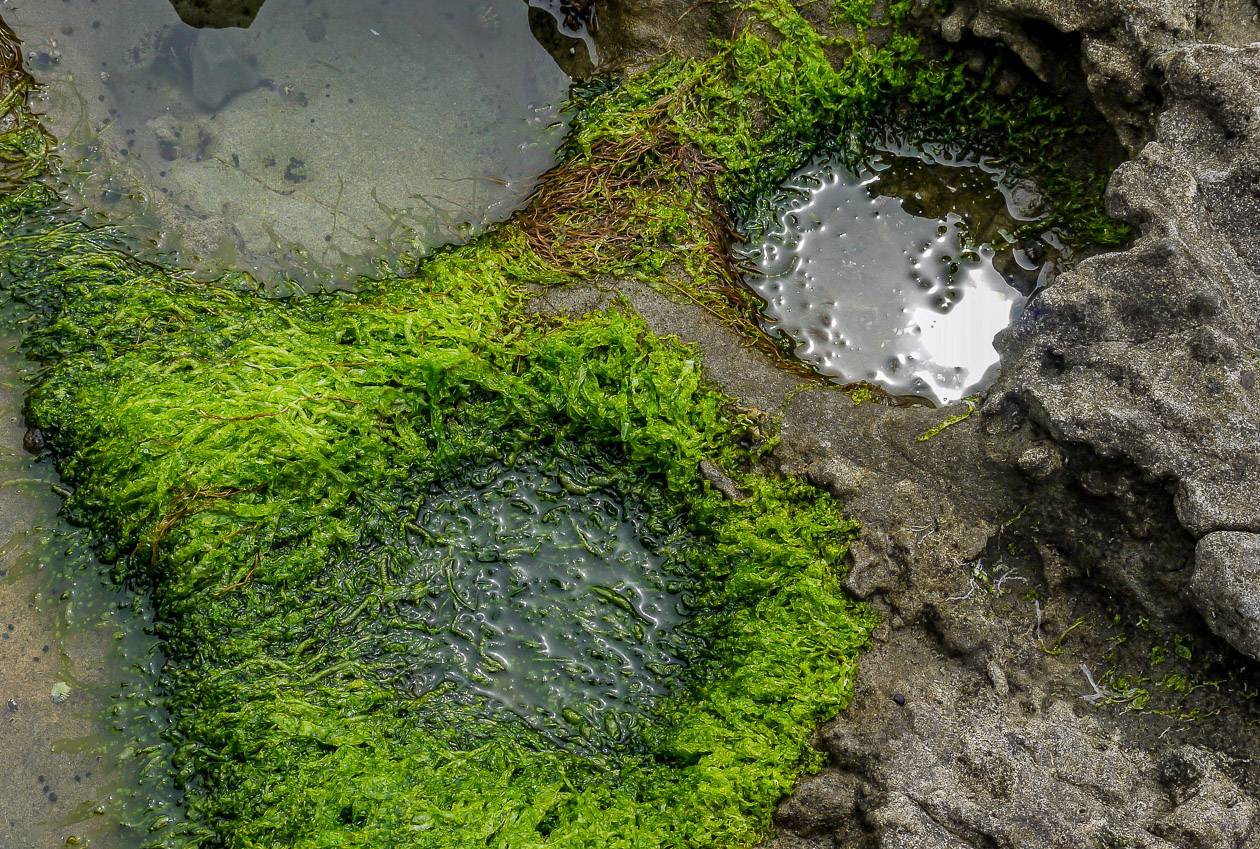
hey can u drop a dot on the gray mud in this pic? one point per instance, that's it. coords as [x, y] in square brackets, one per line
[69, 645]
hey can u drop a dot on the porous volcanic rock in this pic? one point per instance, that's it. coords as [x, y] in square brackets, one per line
[1151, 354]
[1226, 587]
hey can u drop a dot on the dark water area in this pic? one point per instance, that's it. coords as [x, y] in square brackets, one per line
[900, 273]
[324, 139]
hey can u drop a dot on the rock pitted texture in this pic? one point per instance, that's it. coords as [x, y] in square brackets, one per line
[1136, 373]
[1046, 777]
[1152, 354]
[1115, 44]
[1226, 587]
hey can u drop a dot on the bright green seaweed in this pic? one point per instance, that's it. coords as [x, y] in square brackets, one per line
[244, 457]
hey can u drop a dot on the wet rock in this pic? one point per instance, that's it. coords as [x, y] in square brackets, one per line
[220, 70]
[217, 13]
[567, 45]
[821, 804]
[961, 774]
[1208, 810]
[630, 34]
[1041, 461]
[1226, 587]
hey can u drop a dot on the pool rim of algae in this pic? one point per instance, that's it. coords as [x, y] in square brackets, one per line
[551, 483]
[603, 376]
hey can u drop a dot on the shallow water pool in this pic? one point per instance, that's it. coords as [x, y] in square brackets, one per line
[537, 590]
[900, 273]
[326, 137]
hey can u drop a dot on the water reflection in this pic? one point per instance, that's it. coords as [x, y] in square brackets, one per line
[889, 274]
[326, 135]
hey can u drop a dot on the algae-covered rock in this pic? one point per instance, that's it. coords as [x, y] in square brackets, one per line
[1150, 353]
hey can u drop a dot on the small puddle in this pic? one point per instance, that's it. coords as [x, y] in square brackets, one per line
[539, 590]
[900, 273]
[325, 136]
[77, 665]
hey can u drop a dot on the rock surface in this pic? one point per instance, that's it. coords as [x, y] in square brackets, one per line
[217, 13]
[1044, 676]
[1226, 587]
[1150, 354]
[1133, 376]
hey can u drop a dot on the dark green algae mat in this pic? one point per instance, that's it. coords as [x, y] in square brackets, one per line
[300, 484]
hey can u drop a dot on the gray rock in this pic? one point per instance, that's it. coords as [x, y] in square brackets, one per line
[1226, 587]
[219, 67]
[1209, 810]
[1150, 354]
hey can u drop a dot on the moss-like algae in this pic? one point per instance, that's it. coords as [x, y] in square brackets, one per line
[244, 457]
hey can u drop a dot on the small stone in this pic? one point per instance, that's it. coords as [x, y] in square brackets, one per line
[60, 692]
[1222, 587]
[899, 699]
[33, 440]
[13, 706]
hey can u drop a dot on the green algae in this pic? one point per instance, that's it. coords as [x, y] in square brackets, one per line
[232, 451]
[948, 422]
[251, 461]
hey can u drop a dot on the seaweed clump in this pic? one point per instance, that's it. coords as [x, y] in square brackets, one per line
[252, 461]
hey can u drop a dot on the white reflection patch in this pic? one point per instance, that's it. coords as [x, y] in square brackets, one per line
[868, 291]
